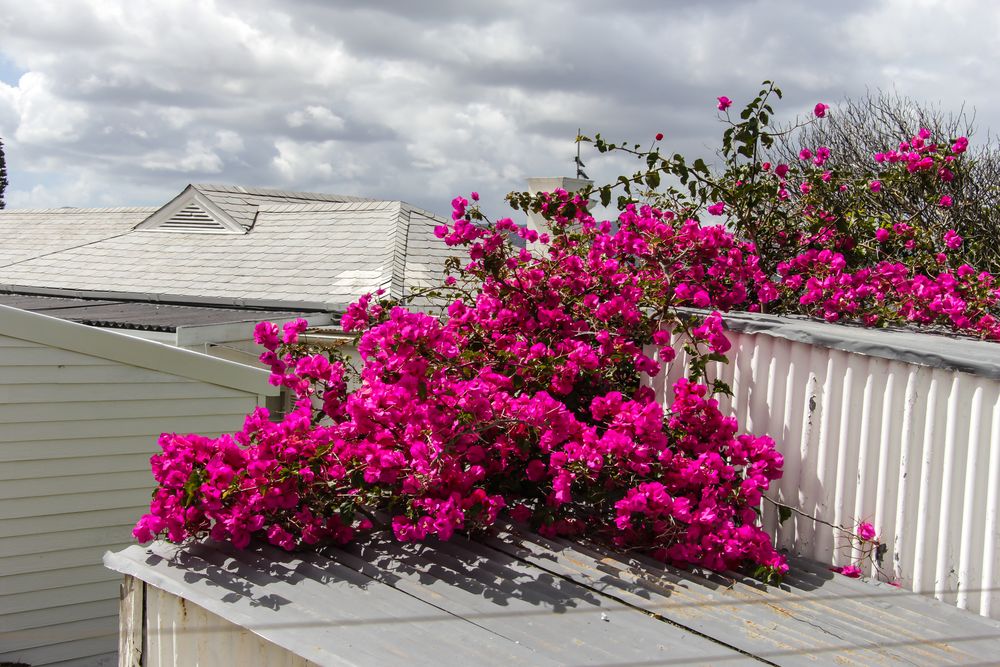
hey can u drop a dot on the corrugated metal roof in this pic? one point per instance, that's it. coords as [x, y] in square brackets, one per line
[140, 315]
[524, 598]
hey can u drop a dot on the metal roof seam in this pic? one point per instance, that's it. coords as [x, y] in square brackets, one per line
[620, 600]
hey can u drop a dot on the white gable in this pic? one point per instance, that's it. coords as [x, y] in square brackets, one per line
[191, 213]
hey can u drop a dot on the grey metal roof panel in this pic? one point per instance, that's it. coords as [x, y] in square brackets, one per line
[136, 314]
[522, 597]
[815, 616]
[418, 606]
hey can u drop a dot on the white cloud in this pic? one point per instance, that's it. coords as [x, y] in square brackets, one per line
[42, 116]
[317, 116]
[228, 141]
[327, 161]
[196, 157]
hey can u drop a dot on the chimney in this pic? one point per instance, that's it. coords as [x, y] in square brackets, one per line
[539, 184]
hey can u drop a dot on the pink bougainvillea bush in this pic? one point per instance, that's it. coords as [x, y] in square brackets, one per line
[890, 243]
[529, 401]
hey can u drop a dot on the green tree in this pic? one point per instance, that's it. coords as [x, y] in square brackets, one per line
[3, 175]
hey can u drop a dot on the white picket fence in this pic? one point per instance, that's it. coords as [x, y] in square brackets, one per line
[901, 430]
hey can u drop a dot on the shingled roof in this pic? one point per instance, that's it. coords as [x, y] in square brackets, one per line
[231, 244]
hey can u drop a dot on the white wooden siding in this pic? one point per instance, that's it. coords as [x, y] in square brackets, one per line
[76, 434]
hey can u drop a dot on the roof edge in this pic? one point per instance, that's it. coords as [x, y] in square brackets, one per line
[134, 351]
[78, 210]
[922, 348]
[178, 299]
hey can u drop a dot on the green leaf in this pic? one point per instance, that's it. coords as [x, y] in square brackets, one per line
[722, 387]
[784, 514]
[605, 195]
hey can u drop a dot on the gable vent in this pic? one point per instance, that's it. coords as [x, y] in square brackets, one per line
[192, 218]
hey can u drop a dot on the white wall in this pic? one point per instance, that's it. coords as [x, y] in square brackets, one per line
[76, 434]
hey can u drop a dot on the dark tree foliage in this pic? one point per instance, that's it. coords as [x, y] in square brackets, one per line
[3, 175]
[856, 129]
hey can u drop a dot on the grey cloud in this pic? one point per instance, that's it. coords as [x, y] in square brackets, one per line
[431, 99]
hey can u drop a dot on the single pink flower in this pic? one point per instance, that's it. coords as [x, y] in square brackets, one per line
[952, 240]
[765, 166]
[724, 103]
[805, 154]
[659, 136]
[866, 531]
[717, 208]
[882, 235]
[804, 188]
[820, 109]
[875, 186]
[475, 196]
[852, 571]
[781, 170]
[945, 202]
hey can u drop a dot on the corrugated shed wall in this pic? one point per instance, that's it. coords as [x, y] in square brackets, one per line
[912, 449]
[76, 434]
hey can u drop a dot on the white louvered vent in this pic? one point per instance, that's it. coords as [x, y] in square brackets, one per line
[193, 218]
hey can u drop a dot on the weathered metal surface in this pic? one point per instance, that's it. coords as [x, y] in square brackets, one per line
[137, 314]
[913, 449]
[523, 599]
[464, 605]
[814, 617]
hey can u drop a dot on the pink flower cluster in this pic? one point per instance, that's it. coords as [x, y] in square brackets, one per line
[891, 291]
[531, 400]
[905, 272]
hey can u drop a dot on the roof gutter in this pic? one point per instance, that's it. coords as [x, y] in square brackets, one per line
[178, 299]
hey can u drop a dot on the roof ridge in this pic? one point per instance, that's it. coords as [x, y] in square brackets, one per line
[78, 209]
[275, 192]
[369, 204]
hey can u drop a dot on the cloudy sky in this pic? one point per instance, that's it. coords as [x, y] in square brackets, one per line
[119, 102]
